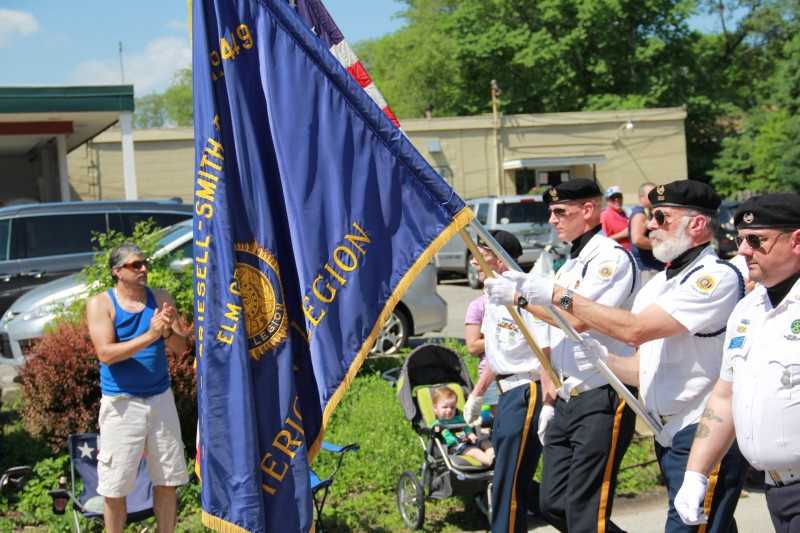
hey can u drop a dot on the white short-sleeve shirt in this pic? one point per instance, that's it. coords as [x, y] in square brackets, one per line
[762, 360]
[677, 373]
[605, 273]
[506, 348]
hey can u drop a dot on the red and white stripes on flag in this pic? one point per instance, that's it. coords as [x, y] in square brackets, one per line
[321, 23]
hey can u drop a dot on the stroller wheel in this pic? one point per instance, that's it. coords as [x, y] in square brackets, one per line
[411, 500]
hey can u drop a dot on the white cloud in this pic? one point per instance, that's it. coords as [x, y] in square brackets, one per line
[148, 71]
[13, 23]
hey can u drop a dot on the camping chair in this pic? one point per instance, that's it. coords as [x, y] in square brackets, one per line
[320, 487]
[89, 504]
[14, 479]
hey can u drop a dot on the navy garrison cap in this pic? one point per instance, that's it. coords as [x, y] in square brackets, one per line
[688, 194]
[775, 210]
[577, 189]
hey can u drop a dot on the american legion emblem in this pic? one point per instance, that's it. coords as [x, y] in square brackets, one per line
[660, 190]
[748, 217]
[553, 194]
[259, 283]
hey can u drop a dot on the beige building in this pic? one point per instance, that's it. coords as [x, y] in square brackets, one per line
[477, 155]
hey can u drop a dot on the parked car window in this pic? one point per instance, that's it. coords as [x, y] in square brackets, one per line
[125, 222]
[522, 212]
[47, 235]
[483, 213]
[5, 224]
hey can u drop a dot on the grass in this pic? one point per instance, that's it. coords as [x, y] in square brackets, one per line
[363, 495]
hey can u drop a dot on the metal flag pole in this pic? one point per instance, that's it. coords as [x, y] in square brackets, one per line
[566, 327]
[543, 359]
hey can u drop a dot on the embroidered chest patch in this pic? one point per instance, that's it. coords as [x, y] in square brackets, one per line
[795, 327]
[736, 342]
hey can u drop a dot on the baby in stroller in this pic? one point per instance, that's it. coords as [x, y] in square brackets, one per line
[459, 437]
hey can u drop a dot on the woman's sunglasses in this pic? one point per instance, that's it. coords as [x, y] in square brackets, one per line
[136, 265]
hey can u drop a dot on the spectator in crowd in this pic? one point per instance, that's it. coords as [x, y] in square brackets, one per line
[613, 218]
[130, 326]
[639, 235]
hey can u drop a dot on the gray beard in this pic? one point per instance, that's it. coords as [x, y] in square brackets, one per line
[668, 249]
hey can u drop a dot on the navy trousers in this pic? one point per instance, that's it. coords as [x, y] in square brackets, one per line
[517, 450]
[784, 507]
[726, 485]
[585, 443]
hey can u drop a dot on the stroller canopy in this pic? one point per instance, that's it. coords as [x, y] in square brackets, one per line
[429, 364]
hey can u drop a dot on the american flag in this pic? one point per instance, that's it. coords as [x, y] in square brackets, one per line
[322, 24]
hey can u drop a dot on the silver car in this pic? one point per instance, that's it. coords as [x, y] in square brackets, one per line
[421, 309]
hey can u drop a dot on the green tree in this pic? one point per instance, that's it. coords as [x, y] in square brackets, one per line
[764, 155]
[173, 107]
[150, 112]
[178, 99]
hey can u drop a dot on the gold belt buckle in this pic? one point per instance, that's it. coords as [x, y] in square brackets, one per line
[776, 477]
[573, 392]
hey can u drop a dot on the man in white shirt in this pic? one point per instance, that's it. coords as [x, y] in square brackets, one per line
[678, 324]
[592, 426]
[755, 400]
[517, 373]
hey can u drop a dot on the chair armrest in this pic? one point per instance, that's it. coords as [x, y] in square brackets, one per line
[335, 448]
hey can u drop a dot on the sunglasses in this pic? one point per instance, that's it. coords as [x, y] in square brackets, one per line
[755, 242]
[136, 265]
[659, 217]
[559, 212]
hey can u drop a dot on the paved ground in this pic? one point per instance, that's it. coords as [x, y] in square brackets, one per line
[639, 515]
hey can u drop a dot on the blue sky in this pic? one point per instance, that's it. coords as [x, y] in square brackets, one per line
[67, 42]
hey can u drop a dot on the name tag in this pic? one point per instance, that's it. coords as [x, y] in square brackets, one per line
[736, 342]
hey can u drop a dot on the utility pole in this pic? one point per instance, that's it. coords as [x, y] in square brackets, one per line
[121, 66]
[496, 127]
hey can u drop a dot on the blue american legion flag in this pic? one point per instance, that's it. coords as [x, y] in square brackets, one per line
[313, 214]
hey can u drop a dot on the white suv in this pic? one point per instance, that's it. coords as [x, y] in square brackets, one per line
[524, 215]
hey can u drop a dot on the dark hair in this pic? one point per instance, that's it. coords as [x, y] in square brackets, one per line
[119, 254]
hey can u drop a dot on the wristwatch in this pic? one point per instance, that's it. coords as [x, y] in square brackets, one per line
[565, 302]
[522, 302]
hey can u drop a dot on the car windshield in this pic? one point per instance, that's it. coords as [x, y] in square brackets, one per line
[520, 212]
[726, 212]
[175, 232]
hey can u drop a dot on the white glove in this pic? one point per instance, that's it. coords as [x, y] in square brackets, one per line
[545, 416]
[500, 291]
[589, 352]
[689, 500]
[472, 410]
[537, 289]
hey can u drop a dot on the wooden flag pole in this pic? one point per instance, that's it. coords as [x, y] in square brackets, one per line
[567, 328]
[543, 359]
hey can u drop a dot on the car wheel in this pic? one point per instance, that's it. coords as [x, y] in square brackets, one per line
[394, 335]
[472, 275]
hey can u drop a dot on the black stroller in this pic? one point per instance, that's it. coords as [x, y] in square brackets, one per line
[441, 475]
